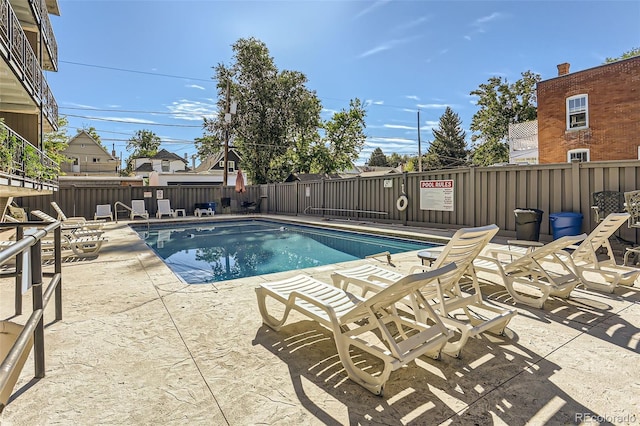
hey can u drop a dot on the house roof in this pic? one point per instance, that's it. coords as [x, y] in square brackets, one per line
[209, 162]
[85, 133]
[145, 167]
[163, 154]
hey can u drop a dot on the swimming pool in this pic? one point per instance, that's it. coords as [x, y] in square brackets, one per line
[207, 252]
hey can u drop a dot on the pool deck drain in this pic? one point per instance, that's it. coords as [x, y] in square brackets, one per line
[138, 346]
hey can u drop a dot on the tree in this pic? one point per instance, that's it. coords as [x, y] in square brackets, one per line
[500, 104]
[343, 139]
[277, 126]
[395, 160]
[449, 147]
[56, 142]
[626, 55]
[377, 158]
[144, 143]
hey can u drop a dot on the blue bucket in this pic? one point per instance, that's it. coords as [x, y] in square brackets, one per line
[565, 223]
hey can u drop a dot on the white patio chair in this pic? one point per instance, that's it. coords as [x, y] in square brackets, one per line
[88, 224]
[103, 211]
[362, 322]
[164, 209]
[139, 209]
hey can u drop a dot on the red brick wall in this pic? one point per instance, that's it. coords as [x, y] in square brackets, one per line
[614, 113]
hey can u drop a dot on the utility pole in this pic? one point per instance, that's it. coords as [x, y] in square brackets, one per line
[419, 147]
[227, 123]
[230, 109]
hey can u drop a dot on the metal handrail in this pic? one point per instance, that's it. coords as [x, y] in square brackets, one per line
[34, 327]
[306, 210]
[127, 208]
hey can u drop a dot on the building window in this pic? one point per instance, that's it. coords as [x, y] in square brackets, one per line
[221, 164]
[578, 112]
[232, 166]
[578, 155]
[96, 160]
[165, 165]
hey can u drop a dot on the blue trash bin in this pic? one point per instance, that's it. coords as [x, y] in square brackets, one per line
[565, 223]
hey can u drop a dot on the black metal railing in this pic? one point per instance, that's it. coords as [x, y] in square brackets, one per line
[18, 158]
[29, 71]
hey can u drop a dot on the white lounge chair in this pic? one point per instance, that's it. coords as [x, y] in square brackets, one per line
[164, 209]
[88, 224]
[469, 314]
[71, 230]
[538, 282]
[601, 272]
[103, 211]
[361, 322]
[138, 209]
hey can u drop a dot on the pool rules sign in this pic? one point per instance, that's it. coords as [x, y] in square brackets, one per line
[436, 195]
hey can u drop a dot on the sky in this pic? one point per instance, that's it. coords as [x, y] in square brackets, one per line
[136, 65]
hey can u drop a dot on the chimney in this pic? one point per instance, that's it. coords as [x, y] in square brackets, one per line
[563, 69]
[113, 150]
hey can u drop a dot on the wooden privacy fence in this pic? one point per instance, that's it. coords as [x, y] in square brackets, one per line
[481, 195]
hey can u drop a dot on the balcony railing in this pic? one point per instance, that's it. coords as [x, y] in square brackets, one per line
[20, 53]
[18, 158]
[41, 13]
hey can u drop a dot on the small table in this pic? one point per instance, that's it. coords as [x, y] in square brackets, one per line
[430, 255]
[201, 212]
[178, 211]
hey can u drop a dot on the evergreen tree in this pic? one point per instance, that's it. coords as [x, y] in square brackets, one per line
[377, 158]
[448, 148]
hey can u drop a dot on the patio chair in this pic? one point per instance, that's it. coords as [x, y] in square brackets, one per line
[72, 230]
[362, 322]
[525, 278]
[139, 209]
[467, 313]
[17, 213]
[103, 211]
[632, 206]
[601, 272]
[88, 224]
[606, 202]
[164, 209]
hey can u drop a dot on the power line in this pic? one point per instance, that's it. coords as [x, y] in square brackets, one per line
[136, 71]
[130, 122]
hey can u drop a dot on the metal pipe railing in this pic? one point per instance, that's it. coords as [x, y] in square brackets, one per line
[306, 210]
[34, 326]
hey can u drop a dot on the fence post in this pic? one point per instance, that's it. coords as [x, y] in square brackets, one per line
[470, 209]
[575, 187]
[38, 304]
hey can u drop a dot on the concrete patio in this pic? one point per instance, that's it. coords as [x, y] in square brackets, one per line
[138, 346]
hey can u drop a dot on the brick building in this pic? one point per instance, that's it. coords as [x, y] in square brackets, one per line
[590, 115]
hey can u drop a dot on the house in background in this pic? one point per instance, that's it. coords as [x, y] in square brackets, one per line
[163, 162]
[28, 109]
[590, 115]
[88, 157]
[213, 166]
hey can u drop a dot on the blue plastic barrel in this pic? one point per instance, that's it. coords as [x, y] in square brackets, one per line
[565, 223]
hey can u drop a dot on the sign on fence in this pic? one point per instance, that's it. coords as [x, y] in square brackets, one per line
[436, 195]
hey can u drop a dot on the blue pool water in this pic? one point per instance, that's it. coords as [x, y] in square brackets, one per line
[218, 251]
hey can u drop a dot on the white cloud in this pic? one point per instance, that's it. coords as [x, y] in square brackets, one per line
[485, 19]
[412, 97]
[398, 126]
[124, 120]
[432, 106]
[195, 86]
[192, 110]
[386, 46]
[372, 7]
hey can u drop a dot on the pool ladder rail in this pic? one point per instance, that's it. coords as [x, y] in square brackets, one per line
[127, 209]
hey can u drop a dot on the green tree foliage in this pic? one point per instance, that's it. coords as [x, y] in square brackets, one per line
[448, 148]
[626, 55]
[144, 143]
[343, 139]
[276, 128]
[501, 103]
[377, 158]
[56, 142]
[395, 160]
